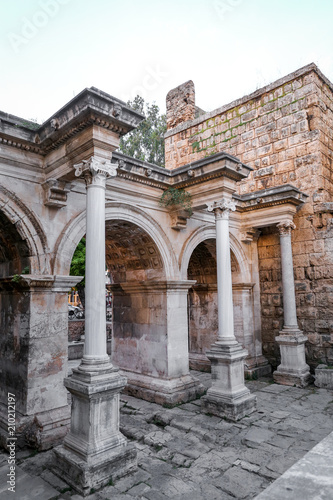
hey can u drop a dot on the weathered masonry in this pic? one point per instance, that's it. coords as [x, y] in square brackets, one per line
[263, 167]
[284, 132]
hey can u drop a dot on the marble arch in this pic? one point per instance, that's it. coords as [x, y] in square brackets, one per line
[28, 227]
[206, 233]
[75, 230]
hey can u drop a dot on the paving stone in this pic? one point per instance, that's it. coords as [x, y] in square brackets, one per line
[27, 487]
[281, 441]
[257, 436]
[125, 483]
[171, 486]
[157, 438]
[275, 388]
[280, 414]
[255, 456]
[240, 483]
[54, 480]
[247, 465]
[139, 489]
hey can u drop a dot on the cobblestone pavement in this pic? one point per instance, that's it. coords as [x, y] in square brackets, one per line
[185, 455]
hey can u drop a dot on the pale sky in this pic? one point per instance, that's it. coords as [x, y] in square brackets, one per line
[50, 50]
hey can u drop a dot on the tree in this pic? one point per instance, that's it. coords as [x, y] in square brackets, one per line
[146, 142]
[78, 268]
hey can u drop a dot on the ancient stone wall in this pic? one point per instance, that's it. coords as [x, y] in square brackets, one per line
[285, 133]
[180, 104]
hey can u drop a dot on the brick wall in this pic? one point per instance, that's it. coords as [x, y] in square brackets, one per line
[285, 133]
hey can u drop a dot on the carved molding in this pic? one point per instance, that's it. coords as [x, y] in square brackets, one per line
[285, 227]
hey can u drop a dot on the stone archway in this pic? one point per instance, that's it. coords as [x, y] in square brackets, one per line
[149, 303]
[198, 262]
[202, 302]
[75, 230]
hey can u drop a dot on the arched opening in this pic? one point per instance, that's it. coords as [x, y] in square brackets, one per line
[14, 251]
[138, 297]
[14, 307]
[202, 304]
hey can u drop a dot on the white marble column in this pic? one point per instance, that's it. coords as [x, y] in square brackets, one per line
[95, 174]
[288, 285]
[228, 397]
[293, 369]
[94, 450]
[221, 211]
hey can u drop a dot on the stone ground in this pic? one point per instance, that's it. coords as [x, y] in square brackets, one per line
[185, 455]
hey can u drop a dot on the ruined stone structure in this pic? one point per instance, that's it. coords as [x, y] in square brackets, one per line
[263, 167]
[284, 133]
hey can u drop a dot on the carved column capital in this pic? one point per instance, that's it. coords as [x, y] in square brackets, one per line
[285, 227]
[221, 208]
[95, 171]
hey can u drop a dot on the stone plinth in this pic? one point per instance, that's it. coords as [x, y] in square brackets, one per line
[293, 369]
[163, 391]
[228, 397]
[95, 451]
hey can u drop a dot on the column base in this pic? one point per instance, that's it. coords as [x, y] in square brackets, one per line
[228, 397]
[41, 431]
[232, 409]
[166, 392]
[83, 476]
[94, 451]
[293, 369]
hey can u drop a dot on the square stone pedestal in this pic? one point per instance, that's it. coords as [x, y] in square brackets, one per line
[293, 369]
[94, 451]
[228, 397]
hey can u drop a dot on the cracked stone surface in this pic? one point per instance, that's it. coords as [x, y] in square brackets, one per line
[186, 455]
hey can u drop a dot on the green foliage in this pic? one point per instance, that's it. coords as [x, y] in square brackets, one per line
[78, 264]
[146, 142]
[173, 197]
[16, 278]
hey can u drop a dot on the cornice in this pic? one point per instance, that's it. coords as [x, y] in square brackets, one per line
[90, 107]
[211, 167]
[279, 195]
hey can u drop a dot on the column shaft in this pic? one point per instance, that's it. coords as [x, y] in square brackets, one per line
[224, 280]
[293, 369]
[288, 285]
[95, 313]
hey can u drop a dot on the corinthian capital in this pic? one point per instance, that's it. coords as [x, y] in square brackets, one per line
[285, 227]
[221, 208]
[95, 171]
